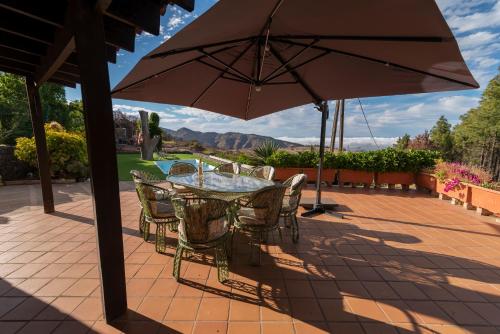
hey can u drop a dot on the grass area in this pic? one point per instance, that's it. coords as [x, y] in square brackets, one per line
[129, 161]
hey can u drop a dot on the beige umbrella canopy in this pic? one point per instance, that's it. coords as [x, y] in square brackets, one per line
[251, 58]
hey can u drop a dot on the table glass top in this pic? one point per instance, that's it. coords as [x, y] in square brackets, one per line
[220, 182]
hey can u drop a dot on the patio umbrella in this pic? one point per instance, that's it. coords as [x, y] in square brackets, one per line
[248, 59]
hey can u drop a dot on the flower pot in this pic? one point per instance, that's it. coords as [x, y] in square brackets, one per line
[327, 175]
[426, 181]
[355, 177]
[461, 192]
[283, 173]
[392, 178]
[485, 199]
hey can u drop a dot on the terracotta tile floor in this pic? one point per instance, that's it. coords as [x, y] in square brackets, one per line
[398, 263]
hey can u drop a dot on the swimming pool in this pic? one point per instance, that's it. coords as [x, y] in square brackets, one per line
[164, 165]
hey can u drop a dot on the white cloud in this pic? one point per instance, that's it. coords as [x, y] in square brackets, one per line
[476, 20]
[477, 39]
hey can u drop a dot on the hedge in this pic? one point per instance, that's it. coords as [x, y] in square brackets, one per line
[386, 160]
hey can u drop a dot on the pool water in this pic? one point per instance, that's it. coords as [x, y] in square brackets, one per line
[164, 165]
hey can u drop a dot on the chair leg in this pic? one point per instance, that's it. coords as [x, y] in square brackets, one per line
[295, 229]
[255, 248]
[229, 243]
[286, 221]
[160, 243]
[221, 261]
[141, 221]
[172, 227]
[177, 261]
[145, 230]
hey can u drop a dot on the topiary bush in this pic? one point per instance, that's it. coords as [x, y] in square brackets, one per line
[67, 152]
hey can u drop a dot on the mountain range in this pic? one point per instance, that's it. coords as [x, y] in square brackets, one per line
[226, 141]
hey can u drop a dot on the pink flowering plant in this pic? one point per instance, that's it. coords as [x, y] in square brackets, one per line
[454, 174]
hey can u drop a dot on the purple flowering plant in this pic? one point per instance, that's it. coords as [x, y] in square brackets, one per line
[454, 174]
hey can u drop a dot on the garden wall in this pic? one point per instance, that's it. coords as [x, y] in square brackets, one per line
[10, 167]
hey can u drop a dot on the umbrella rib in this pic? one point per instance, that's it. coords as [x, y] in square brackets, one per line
[238, 41]
[324, 53]
[271, 75]
[424, 39]
[375, 60]
[169, 69]
[222, 69]
[230, 67]
[222, 73]
[296, 76]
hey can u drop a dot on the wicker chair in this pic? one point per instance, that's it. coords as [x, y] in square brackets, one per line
[182, 168]
[153, 194]
[232, 167]
[291, 202]
[263, 172]
[260, 216]
[159, 212]
[204, 224]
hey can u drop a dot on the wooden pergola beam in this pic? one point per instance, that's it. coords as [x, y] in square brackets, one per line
[100, 133]
[64, 45]
[42, 153]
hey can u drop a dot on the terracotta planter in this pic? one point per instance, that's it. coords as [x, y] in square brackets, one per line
[426, 181]
[487, 199]
[283, 173]
[461, 192]
[355, 177]
[391, 178]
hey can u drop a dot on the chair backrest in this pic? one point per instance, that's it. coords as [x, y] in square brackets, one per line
[147, 194]
[267, 203]
[263, 172]
[202, 219]
[144, 176]
[182, 168]
[231, 167]
[294, 186]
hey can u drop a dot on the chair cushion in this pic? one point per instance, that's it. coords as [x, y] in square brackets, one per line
[203, 233]
[162, 209]
[290, 203]
[252, 216]
[155, 194]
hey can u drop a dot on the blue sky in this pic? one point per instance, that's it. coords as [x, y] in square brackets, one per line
[475, 23]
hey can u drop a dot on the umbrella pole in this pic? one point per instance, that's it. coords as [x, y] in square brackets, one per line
[318, 207]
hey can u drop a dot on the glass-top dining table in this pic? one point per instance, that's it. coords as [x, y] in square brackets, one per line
[220, 185]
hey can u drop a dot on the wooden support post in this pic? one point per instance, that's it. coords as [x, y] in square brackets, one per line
[341, 132]
[100, 130]
[334, 126]
[42, 153]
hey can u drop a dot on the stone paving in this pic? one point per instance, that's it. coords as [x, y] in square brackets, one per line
[398, 263]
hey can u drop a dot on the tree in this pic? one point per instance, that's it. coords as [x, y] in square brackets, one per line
[147, 142]
[477, 136]
[154, 128]
[15, 119]
[421, 142]
[442, 138]
[402, 142]
[76, 121]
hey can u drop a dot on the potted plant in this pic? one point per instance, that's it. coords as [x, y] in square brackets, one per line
[400, 166]
[455, 180]
[355, 168]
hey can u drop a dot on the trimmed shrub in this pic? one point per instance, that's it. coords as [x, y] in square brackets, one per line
[67, 152]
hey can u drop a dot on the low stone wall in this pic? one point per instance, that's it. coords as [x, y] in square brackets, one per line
[10, 167]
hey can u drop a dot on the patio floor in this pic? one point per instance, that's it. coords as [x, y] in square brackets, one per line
[399, 262]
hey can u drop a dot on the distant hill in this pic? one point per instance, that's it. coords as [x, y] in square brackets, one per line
[226, 141]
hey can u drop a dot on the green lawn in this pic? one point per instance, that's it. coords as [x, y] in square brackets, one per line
[129, 161]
